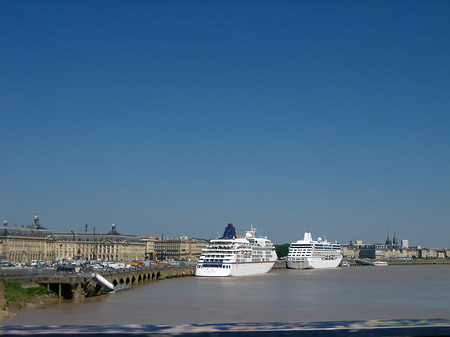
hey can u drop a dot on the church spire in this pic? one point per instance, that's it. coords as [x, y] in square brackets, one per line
[388, 240]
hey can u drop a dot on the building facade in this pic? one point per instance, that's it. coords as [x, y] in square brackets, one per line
[150, 252]
[383, 252]
[26, 243]
[105, 247]
[179, 249]
[23, 244]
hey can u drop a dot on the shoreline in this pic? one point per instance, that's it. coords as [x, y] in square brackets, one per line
[15, 309]
[282, 264]
[433, 261]
[406, 262]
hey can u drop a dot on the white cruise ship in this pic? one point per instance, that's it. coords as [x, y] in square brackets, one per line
[308, 253]
[236, 256]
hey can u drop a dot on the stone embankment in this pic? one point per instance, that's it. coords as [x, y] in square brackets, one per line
[404, 262]
[282, 264]
[80, 285]
[279, 265]
[422, 261]
[87, 285]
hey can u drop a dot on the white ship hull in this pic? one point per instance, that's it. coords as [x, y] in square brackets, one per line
[212, 272]
[313, 263]
[237, 269]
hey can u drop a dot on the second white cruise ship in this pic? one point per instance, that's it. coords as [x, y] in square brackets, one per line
[236, 256]
[308, 253]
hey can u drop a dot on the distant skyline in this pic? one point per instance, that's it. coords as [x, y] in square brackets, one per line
[92, 229]
[179, 117]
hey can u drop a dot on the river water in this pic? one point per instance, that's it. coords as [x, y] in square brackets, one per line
[352, 293]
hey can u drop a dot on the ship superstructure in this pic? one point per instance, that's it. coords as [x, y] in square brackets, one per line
[231, 255]
[308, 253]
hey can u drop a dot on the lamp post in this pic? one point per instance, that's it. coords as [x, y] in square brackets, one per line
[95, 247]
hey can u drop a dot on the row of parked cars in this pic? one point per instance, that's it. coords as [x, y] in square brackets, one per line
[32, 264]
[6, 264]
[92, 265]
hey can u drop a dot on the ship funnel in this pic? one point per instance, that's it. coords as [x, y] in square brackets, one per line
[230, 232]
[307, 237]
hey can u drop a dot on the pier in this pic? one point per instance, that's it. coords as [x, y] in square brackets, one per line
[87, 284]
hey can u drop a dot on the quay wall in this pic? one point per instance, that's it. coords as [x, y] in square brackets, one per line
[88, 286]
[353, 263]
[407, 262]
[279, 265]
[70, 286]
[424, 261]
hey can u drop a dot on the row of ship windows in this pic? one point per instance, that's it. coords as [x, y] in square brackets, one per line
[331, 257]
[237, 249]
[242, 250]
[253, 260]
[229, 256]
[316, 246]
[227, 266]
[221, 256]
[309, 250]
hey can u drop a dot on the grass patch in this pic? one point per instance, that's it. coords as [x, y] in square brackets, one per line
[15, 293]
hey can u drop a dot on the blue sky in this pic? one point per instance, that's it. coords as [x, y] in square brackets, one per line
[178, 117]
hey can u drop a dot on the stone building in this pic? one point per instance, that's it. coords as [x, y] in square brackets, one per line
[382, 251]
[179, 249]
[349, 252]
[390, 249]
[27, 243]
[150, 252]
[196, 247]
[106, 247]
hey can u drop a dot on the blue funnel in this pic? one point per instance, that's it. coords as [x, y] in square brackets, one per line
[230, 232]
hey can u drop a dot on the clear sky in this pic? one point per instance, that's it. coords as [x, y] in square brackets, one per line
[178, 117]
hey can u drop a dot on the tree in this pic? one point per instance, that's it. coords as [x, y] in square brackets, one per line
[282, 250]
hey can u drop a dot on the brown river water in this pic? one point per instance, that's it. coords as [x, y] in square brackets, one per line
[351, 293]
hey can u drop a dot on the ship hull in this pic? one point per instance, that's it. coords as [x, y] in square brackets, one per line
[236, 269]
[313, 263]
[211, 272]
